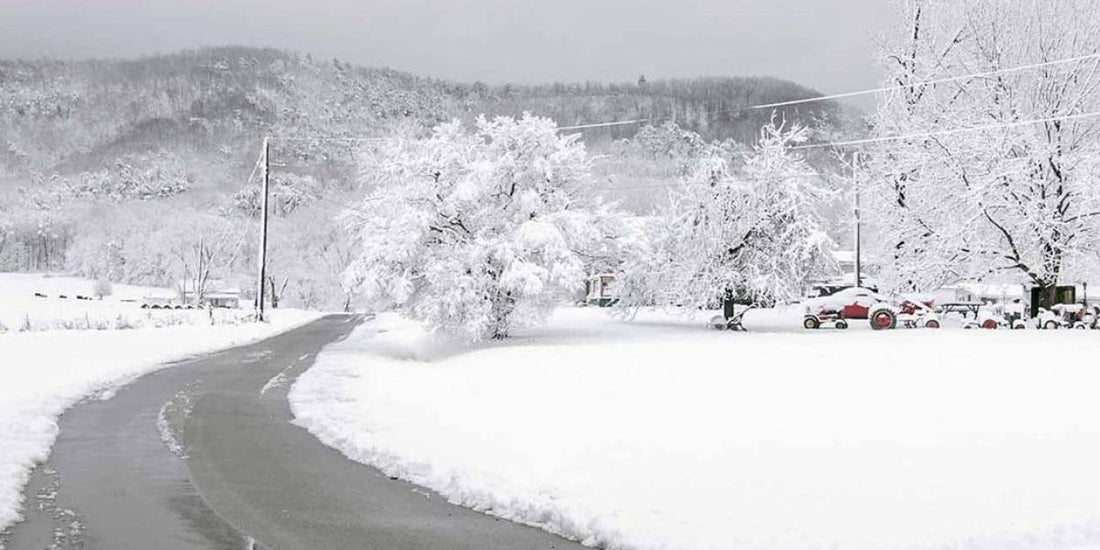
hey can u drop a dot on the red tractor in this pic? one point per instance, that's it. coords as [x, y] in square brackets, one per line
[860, 303]
[907, 314]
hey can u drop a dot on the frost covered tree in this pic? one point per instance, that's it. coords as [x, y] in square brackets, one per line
[289, 192]
[474, 232]
[102, 288]
[981, 190]
[203, 247]
[7, 233]
[753, 232]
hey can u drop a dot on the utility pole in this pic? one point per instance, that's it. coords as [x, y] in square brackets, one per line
[263, 234]
[859, 223]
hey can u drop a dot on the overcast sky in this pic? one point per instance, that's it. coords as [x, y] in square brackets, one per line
[825, 44]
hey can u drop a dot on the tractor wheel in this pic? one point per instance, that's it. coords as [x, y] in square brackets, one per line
[841, 324]
[1080, 326]
[810, 322]
[989, 324]
[1019, 325]
[932, 323]
[1051, 325]
[718, 323]
[883, 319]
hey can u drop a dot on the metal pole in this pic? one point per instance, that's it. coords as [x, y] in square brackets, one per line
[859, 224]
[263, 235]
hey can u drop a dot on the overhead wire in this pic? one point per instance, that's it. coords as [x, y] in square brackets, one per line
[856, 93]
[951, 131]
[828, 97]
[773, 105]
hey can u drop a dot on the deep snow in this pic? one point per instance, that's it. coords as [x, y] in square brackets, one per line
[22, 311]
[44, 373]
[661, 434]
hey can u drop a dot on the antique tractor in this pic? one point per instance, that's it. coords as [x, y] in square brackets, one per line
[903, 313]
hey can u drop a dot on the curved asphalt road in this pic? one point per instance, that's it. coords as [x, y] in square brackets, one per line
[249, 478]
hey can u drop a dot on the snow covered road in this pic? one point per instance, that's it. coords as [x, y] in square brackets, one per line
[44, 373]
[656, 434]
[204, 457]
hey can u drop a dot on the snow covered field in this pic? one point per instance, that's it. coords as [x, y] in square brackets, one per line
[658, 434]
[44, 373]
[22, 311]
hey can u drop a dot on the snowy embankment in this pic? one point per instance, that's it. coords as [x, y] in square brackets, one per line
[658, 434]
[44, 373]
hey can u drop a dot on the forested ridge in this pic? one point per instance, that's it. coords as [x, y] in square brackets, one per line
[178, 135]
[66, 117]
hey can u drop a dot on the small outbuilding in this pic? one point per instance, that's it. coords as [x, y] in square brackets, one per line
[601, 290]
[218, 294]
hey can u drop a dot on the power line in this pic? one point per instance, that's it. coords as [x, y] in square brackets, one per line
[786, 104]
[351, 205]
[824, 176]
[951, 131]
[856, 93]
[605, 124]
[330, 138]
[678, 183]
[932, 82]
[762, 106]
[259, 160]
[669, 186]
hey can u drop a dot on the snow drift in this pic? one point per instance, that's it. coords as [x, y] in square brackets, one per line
[659, 434]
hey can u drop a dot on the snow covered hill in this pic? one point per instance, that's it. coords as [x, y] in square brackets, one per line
[659, 434]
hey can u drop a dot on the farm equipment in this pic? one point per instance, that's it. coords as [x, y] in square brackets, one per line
[1076, 316]
[906, 314]
[996, 317]
[992, 321]
[836, 309]
[860, 303]
[824, 318]
[734, 323]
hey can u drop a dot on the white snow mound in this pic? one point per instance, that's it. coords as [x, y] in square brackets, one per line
[660, 434]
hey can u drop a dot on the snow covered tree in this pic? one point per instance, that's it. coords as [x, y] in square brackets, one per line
[474, 232]
[752, 233]
[7, 233]
[335, 251]
[203, 247]
[102, 288]
[289, 192]
[998, 180]
[669, 140]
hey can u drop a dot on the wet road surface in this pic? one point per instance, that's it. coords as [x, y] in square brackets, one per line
[203, 456]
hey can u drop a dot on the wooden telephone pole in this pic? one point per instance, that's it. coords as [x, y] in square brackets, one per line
[859, 223]
[263, 233]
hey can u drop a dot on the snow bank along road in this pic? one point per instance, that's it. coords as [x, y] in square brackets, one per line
[658, 434]
[44, 373]
[203, 456]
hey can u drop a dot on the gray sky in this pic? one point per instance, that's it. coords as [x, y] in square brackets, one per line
[826, 44]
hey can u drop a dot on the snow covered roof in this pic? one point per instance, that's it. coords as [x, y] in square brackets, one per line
[213, 287]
